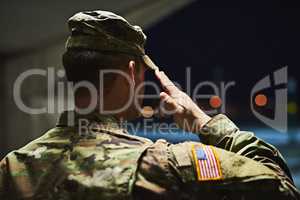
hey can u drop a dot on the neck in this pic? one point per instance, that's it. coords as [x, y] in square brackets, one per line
[111, 105]
[113, 101]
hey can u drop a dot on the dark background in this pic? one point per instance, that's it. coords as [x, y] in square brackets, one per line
[241, 42]
[220, 40]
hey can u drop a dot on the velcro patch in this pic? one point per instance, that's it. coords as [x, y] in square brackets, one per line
[206, 162]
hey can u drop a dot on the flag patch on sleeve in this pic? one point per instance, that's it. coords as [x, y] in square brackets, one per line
[207, 163]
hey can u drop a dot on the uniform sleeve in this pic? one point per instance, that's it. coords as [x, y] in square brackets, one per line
[229, 164]
[154, 178]
[223, 133]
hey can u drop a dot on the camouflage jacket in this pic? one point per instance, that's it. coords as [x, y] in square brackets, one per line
[105, 162]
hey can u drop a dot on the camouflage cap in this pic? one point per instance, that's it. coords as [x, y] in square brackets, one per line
[106, 31]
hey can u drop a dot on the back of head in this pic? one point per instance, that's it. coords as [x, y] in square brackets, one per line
[102, 40]
[86, 65]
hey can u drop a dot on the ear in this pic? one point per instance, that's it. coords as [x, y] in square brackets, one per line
[132, 70]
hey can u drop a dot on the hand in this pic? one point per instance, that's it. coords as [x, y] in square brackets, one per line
[186, 113]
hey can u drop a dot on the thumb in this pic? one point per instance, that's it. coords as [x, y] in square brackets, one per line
[169, 105]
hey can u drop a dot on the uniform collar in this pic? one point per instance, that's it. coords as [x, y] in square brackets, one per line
[72, 118]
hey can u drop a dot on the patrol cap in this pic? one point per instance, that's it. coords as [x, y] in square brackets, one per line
[105, 31]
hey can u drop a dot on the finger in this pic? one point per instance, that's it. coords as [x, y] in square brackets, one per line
[169, 105]
[167, 99]
[166, 83]
[157, 74]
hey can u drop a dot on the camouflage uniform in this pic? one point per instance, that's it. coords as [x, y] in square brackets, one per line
[108, 163]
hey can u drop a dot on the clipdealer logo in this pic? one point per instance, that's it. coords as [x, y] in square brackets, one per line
[277, 81]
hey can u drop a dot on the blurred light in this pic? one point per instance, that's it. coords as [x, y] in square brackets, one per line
[215, 101]
[261, 100]
[292, 108]
[147, 111]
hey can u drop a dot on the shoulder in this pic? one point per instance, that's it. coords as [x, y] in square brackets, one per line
[118, 135]
[172, 158]
[156, 155]
[169, 161]
[155, 159]
[181, 159]
[154, 176]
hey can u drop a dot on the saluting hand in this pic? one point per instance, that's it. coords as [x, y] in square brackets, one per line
[185, 111]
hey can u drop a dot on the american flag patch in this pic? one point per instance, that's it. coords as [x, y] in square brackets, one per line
[207, 163]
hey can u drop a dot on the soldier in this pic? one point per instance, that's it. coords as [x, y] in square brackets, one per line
[108, 163]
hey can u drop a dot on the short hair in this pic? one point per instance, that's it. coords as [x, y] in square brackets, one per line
[85, 65]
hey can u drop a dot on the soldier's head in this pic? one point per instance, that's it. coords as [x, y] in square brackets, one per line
[106, 61]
